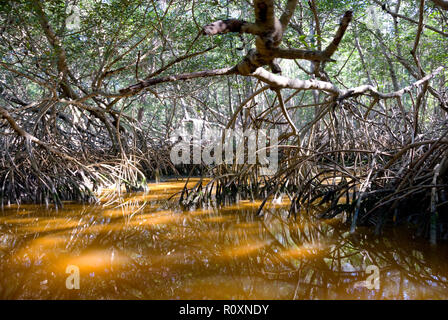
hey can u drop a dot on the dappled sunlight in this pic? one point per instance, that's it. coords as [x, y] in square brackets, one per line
[43, 248]
[199, 212]
[247, 225]
[244, 249]
[49, 242]
[304, 251]
[219, 219]
[90, 230]
[139, 244]
[156, 218]
[120, 212]
[243, 204]
[18, 221]
[49, 225]
[170, 185]
[100, 261]
[258, 149]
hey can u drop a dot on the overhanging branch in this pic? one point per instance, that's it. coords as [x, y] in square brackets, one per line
[131, 90]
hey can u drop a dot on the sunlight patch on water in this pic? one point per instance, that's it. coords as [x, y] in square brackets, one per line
[252, 247]
[18, 221]
[99, 261]
[147, 247]
[156, 218]
[51, 224]
[304, 251]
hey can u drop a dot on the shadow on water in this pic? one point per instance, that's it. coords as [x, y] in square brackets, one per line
[146, 247]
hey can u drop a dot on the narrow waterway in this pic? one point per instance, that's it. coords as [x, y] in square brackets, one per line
[146, 247]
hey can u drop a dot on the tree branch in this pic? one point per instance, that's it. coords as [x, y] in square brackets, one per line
[56, 44]
[285, 82]
[397, 94]
[311, 55]
[333, 46]
[441, 3]
[230, 25]
[289, 11]
[133, 89]
[397, 15]
[264, 13]
[5, 114]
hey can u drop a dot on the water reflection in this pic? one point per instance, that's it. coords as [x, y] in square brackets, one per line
[145, 247]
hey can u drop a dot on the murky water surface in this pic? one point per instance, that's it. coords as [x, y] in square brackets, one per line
[148, 248]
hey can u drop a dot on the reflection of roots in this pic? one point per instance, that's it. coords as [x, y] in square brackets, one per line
[339, 268]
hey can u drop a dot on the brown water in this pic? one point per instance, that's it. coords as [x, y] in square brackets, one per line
[146, 247]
